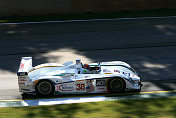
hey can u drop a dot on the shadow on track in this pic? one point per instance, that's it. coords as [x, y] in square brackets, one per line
[28, 96]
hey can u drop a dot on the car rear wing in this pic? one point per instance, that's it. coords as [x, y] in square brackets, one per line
[25, 66]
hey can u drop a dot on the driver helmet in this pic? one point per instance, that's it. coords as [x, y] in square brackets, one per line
[86, 66]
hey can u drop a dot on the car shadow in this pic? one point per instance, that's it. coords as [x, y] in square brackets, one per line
[29, 96]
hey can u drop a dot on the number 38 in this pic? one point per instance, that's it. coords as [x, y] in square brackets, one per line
[80, 86]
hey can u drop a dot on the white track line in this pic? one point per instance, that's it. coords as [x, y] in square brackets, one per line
[67, 21]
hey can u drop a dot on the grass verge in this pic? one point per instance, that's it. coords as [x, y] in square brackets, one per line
[121, 14]
[144, 108]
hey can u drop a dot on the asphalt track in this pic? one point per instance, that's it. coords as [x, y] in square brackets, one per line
[148, 45]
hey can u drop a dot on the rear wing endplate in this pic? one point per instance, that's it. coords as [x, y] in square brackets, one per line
[25, 66]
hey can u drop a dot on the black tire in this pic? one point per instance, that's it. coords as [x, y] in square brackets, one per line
[116, 85]
[44, 88]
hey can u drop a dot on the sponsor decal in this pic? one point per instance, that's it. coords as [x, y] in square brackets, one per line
[100, 82]
[21, 65]
[89, 86]
[126, 73]
[101, 88]
[117, 71]
[84, 70]
[22, 73]
[58, 81]
[22, 80]
[24, 77]
[106, 70]
[88, 82]
[65, 87]
[21, 77]
[80, 86]
[21, 83]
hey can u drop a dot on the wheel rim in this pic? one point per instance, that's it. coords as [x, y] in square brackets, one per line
[44, 88]
[117, 85]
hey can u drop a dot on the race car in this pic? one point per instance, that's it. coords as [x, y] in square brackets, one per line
[76, 78]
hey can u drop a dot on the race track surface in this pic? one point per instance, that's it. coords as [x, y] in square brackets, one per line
[148, 45]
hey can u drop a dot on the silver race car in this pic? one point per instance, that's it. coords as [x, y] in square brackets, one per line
[76, 78]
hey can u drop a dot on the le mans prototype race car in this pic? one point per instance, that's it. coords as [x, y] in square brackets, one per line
[76, 78]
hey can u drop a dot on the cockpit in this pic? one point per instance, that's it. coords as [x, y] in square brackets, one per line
[86, 68]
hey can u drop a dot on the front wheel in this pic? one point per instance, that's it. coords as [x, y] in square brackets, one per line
[44, 88]
[116, 85]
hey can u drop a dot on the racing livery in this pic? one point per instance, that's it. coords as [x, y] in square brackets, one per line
[76, 78]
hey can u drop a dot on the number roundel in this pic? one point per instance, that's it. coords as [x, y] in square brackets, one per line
[80, 86]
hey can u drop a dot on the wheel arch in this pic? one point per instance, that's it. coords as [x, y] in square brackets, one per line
[116, 77]
[38, 81]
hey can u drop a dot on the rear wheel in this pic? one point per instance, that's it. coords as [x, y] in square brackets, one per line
[116, 85]
[44, 88]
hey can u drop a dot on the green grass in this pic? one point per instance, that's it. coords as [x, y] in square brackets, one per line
[144, 108]
[121, 14]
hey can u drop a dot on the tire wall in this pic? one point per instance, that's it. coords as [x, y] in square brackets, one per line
[45, 7]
